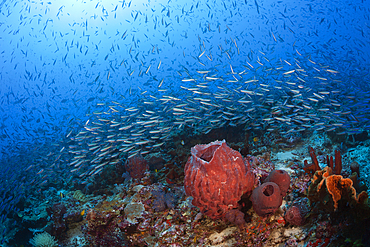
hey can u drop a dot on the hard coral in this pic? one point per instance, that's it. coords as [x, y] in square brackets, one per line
[281, 178]
[79, 196]
[133, 211]
[102, 225]
[216, 177]
[136, 166]
[266, 199]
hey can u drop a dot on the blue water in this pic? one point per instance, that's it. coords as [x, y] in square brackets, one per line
[65, 64]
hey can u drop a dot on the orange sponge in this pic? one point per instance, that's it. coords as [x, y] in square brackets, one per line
[329, 189]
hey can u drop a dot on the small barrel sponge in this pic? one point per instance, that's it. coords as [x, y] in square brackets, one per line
[296, 214]
[281, 178]
[266, 199]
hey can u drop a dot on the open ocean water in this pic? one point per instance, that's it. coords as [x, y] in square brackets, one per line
[85, 86]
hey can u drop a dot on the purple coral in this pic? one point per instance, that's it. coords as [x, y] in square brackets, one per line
[136, 166]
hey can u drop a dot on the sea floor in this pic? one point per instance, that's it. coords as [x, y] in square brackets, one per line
[116, 210]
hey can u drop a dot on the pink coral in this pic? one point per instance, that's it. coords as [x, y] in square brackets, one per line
[216, 177]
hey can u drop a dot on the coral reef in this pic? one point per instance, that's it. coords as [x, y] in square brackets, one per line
[163, 200]
[102, 225]
[266, 199]
[261, 166]
[157, 210]
[134, 210]
[72, 216]
[216, 177]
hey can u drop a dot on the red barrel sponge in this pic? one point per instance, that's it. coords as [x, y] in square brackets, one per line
[266, 199]
[216, 177]
[281, 178]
